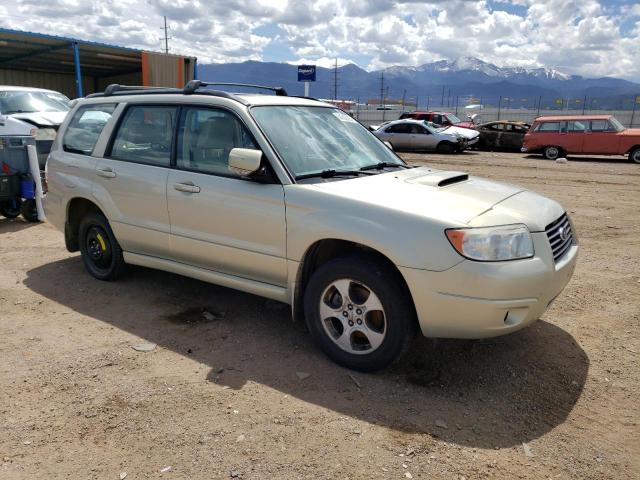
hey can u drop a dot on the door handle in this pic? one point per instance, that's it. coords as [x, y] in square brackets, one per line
[187, 187]
[106, 173]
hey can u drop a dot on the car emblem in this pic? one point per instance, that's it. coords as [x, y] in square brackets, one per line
[564, 233]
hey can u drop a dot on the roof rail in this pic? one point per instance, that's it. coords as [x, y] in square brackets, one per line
[117, 89]
[194, 85]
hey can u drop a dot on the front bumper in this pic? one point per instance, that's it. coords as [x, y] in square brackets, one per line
[487, 299]
[473, 141]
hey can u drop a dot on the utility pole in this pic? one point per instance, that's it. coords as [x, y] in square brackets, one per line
[382, 94]
[428, 99]
[404, 94]
[166, 37]
[335, 81]
[442, 101]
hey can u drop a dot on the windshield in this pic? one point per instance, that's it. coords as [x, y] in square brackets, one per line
[616, 124]
[314, 139]
[28, 102]
[452, 118]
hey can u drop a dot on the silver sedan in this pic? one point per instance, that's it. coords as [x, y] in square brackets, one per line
[418, 135]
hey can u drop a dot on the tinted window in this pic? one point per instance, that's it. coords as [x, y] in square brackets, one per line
[497, 126]
[416, 129]
[399, 128]
[600, 126]
[145, 135]
[519, 129]
[549, 127]
[205, 138]
[85, 128]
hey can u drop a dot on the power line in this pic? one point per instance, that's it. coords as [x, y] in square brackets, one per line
[166, 37]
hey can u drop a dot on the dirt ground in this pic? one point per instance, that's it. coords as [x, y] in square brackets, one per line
[222, 397]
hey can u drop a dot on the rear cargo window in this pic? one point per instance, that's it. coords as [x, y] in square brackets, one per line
[601, 126]
[85, 128]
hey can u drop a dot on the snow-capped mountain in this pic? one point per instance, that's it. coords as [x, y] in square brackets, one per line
[470, 65]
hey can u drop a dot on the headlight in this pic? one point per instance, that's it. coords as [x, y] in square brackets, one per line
[492, 244]
[45, 134]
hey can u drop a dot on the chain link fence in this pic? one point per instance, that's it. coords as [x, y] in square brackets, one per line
[627, 111]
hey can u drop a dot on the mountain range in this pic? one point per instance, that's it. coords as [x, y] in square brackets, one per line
[464, 78]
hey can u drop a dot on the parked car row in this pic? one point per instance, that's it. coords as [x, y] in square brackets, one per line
[552, 137]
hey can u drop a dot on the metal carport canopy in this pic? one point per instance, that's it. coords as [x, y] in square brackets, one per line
[37, 52]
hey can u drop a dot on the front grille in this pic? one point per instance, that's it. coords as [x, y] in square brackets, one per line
[560, 236]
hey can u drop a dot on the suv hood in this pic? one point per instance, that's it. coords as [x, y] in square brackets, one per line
[42, 119]
[445, 196]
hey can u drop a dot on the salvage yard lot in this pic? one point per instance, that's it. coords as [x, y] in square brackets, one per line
[226, 395]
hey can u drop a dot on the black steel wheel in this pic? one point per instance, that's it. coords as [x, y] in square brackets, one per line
[101, 253]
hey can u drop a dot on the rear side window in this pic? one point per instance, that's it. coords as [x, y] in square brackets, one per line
[549, 127]
[85, 128]
[145, 135]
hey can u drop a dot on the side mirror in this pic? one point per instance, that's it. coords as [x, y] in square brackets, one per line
[388, 144]
[244, 161]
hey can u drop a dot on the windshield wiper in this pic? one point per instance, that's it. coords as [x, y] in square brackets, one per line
[330, 172]
[381, 165]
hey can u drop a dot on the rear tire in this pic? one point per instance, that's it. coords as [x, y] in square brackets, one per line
[634, 155]
[552, 152]
[29, 210]
[101, 253]
[359, 313]
[11, 208]
[446, 148]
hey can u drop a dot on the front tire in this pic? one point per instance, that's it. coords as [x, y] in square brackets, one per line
[358, 312]
[551, 153]
[446, 148]
[101, 253]
[634, 155]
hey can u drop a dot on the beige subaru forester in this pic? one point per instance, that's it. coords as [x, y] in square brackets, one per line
[292, 199]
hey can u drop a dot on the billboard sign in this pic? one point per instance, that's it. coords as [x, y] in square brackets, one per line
[306, 73]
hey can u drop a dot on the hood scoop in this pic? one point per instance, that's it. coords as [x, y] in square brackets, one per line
[439, 179]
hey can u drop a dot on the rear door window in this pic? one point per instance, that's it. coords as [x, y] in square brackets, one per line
[85, 128]
[145, 135]
[576, 126]
[399, 128]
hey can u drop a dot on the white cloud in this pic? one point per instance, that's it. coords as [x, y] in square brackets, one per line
[576, 36]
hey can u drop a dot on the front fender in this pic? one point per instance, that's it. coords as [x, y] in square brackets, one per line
[405, 239]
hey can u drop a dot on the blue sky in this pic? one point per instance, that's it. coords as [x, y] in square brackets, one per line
[587, 37]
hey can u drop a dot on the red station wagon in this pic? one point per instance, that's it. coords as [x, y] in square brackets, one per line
[582, 134]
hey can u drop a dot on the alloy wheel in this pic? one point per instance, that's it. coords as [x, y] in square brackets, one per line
[353, 316]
